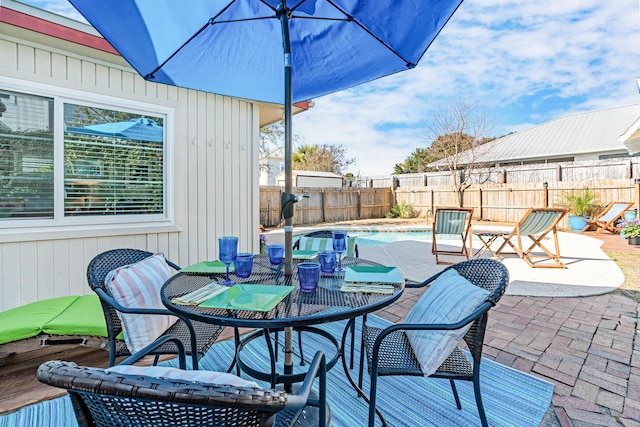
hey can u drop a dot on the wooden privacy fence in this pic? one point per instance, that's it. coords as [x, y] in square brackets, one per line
[491, 202]
[507, 203]
[326, 204]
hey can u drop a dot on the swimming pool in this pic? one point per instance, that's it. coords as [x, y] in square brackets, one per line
[380, 238]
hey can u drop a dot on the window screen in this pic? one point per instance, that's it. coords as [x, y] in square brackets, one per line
[26, 156]
[113, 162]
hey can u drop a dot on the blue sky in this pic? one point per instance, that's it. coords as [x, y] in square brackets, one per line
[524, 62]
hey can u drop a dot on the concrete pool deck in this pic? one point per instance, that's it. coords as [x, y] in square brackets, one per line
[589, 270]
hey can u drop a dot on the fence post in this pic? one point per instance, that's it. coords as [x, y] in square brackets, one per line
[637, 183]
[480, 201]
[433, 208]
[359, 204]
[394, 185]
[545, 194]
[324, 205]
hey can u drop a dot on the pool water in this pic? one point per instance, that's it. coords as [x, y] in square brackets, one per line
[380, 238]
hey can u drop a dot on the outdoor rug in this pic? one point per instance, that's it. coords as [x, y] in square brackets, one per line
[511, 398]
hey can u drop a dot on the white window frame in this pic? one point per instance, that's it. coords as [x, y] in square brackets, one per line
[84, 226]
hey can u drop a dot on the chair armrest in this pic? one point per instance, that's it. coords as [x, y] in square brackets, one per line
[425, 282]
[173, 265]
[119, 307]
[157, 343]
[318, 368]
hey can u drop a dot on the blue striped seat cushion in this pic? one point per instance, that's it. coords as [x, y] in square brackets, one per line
[326, 244]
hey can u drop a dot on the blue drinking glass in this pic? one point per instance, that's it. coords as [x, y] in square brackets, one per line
[228, 251]
[339, 246]
[243, 264]
[276, 253]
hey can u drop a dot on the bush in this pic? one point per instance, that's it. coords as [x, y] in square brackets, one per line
[582, 203]
[401, 210]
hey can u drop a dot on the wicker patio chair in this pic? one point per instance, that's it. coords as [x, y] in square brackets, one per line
[451, 221]
[202, 334]
[102, 398]
[389, 352]
[323, 234]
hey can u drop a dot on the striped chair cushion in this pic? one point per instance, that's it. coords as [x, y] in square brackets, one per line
[326, 244]
[451, 222]
[537, 222]
[207, 377]
[449, 299]
[138, 286]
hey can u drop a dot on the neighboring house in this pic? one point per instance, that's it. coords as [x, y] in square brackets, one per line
[271, 164]
[67, 195]
[592, 135]
[311, 179]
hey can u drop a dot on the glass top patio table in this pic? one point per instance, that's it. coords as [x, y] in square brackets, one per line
[297, 310]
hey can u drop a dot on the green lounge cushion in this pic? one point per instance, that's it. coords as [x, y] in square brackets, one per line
[27, 320]
[83, 317]
[70, 315]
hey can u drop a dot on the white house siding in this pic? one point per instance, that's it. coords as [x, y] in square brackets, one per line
[214, 161]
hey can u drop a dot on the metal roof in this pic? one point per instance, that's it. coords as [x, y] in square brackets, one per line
[592, 132]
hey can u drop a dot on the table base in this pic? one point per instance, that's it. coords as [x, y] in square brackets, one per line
[286, 378]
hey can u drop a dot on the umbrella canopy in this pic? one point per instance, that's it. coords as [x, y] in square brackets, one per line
[275, 51]
[140, 129]
[235, 47]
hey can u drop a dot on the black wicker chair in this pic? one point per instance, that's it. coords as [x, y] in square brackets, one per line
[389, 353]
[202, 334]
[321, 234]
[108, 399]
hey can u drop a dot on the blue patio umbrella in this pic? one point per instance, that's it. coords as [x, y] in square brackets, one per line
[274, 51]
[140, 129]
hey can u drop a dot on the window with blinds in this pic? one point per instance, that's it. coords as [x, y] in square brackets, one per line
[26, 156]
[112, 162]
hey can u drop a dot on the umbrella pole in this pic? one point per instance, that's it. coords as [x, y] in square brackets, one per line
[288, 187]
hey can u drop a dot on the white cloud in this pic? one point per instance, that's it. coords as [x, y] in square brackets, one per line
[501, 53]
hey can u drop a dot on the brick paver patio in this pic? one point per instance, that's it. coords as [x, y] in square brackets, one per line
[585, 346]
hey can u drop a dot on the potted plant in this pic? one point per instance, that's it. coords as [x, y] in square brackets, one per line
[631, 231]
[581, 205]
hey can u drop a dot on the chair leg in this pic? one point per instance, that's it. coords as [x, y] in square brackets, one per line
[362, 351]
[156, 359]
[455, 394]
[300, 347]
[112, 352]
[353, 343]
[372, 395]
[476, 391]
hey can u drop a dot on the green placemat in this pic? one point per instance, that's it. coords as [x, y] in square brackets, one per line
[373, 274]
[208, 267]
[244, 296]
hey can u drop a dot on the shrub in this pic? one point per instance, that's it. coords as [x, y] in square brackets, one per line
[581, 203]
[401, 210]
